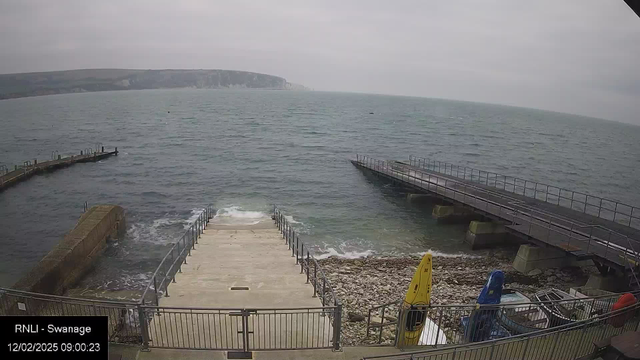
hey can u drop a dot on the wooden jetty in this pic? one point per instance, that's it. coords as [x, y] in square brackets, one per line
[28, 168]
[540, 216]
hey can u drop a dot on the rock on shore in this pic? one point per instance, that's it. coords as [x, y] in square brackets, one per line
[367, 282]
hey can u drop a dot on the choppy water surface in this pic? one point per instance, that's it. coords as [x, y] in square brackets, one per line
[245, 150]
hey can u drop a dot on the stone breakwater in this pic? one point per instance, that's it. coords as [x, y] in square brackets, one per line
[367, 282]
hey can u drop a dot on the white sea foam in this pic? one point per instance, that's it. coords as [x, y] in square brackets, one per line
[163, 230]
[344, 255]
[291, 220]
[195, 213]
[356, 254]
[446, 255]
[235, 215]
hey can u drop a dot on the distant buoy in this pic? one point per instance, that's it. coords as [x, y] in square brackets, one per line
[168, 112]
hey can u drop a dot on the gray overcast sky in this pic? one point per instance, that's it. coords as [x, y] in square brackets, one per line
[576, 56]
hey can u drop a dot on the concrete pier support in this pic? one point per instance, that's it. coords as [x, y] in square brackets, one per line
[485, 234]
[609, 282]
[532, 257]
[421, 198]
[449, 214]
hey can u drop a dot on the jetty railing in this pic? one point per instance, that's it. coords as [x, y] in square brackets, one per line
[172, 262]
[458, 324]
[567, 342]
[322, 287]
[546, 227]
[604, 208]
[28, 168]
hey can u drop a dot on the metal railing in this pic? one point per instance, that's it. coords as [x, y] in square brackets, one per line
[150, 325]
[242, 329]
[566, 342]
[552, 229]
[309, 265]
[462, 323]
[239, 329]
[174, 259]
[607, 209]
[123, 317]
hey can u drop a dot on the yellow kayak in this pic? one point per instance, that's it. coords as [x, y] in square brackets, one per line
[417, 298]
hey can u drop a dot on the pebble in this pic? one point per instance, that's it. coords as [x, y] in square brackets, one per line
[367, 282]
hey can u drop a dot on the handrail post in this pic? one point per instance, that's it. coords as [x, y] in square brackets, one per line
[606, 250]
[166, 289]
[143, 328]
[546, 195]
[179, 253]
[324, 288]
[155, 287]
[600, 209]
[302, 259]
[197, 230]
[337, 324]
[590, 236]
[315, 279]
[307, 266]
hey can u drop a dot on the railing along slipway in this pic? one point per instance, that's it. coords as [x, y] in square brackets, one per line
[566, 342]
[123, 317]
[546, 227]
[128, 321]
[589, 204]
[244, 330]
[315, 275]
[173, 260]
[458, 323]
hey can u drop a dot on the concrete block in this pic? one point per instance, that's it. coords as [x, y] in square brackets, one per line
[531, 257]
[448, 214]
[611, 283]
[72, 257]
[420, 198]
[485, 234]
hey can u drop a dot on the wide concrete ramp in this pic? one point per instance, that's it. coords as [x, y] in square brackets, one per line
[240, 257]
[241, 285]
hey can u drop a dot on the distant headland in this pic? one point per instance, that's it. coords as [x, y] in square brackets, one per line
[88, 80]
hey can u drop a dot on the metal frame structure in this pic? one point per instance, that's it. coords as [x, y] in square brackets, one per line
[124, 325]
[322, 287]
[547, 228]
[176, 256]
[242, 330]
[607, 209]
[28, 168]
[147, 323]
[567, 342]
[235, 329]
[447, 317]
